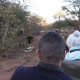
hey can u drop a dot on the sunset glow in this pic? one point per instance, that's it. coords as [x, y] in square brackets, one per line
[45, 8]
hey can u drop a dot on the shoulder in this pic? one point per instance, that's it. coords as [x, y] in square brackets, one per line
[23, 69]
[67, 77]
[22, 72]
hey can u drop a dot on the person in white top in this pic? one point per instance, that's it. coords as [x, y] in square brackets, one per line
[73, 42]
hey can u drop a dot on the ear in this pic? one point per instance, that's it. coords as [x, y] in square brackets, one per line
[64, 55]
[37, 52]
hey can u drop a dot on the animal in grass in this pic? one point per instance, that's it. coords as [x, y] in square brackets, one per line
[29, 39]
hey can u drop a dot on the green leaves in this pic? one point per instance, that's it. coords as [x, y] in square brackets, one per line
[8, 24]
[65, 23]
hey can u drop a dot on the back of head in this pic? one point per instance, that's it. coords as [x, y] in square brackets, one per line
[74, 39]
[76, 33]
[51, 47]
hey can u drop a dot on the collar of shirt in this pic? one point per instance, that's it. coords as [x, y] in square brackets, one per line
[50, 67]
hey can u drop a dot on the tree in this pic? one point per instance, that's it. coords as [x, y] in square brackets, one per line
[59, 24]
[19, 11]
[73, 9]
[34, 23]
[7, 32]
[67, 23]
[12, 17]
[2, 2]
[59, 14]
[9, 25]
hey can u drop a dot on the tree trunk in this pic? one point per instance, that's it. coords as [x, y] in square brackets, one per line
[59, 30]
[4, 37]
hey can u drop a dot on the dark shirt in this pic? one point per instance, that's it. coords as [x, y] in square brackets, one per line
[40, 72]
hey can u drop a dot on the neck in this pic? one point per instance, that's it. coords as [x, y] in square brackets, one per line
[58, 64]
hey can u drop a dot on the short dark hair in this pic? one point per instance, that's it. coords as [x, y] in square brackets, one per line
[51, 47]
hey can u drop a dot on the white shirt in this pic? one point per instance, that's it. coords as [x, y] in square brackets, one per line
[73, 55]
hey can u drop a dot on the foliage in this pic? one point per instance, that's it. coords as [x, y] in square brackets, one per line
[8, 24]
[59, 14]
[72, 8]
[34, 24]
[65, 23]
[35, 19]
[13, 18]
[20, 13]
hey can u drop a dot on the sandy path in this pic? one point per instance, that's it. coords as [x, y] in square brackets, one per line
[8, 66]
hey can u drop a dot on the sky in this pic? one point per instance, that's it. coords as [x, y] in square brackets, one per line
[45, 8]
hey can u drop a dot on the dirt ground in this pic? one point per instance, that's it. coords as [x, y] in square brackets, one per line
[8, 65]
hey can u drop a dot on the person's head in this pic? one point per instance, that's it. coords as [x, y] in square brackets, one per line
[51, 48]
[74, 39]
